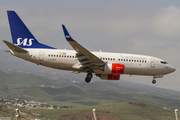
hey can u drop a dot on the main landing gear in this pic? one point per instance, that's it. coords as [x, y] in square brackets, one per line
[88, 77]
[154, 81]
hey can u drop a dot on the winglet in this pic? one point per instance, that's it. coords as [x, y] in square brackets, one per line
[66, 34]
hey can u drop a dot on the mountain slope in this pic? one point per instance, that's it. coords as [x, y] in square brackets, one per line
[34, 87]
[117, 111]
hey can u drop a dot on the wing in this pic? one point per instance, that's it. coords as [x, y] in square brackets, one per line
[85, 57]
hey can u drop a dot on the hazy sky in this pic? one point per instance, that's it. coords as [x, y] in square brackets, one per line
[149, 27]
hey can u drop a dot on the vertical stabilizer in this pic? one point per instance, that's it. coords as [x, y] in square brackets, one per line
[21, 36]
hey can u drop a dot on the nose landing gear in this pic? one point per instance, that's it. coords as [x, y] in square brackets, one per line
[154, 81]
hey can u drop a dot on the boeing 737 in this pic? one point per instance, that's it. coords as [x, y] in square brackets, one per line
[107, 66]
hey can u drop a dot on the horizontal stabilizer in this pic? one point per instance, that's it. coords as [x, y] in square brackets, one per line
[14, 47]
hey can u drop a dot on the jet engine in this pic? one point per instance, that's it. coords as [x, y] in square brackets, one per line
[109, 76]
[114, 68]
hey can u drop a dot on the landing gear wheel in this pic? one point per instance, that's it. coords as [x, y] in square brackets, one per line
[154, 81]
[88, 77]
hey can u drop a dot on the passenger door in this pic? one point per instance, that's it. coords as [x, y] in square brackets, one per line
[152, 63]
[41, 56]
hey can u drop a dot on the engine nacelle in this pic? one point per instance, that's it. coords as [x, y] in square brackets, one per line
[110, 76]
[114, 68]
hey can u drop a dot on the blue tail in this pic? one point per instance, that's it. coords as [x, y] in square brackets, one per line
[21, 36]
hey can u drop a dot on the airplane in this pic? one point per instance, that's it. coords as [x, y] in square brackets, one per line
[106, 65]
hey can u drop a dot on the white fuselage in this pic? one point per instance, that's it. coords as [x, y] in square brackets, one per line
[66, 59]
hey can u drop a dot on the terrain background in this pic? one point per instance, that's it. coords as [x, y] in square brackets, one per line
[23, 80]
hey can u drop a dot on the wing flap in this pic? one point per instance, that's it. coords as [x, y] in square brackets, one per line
[14, 47]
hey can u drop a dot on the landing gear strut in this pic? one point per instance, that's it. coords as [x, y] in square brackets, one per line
[88, 77]
[154, 81]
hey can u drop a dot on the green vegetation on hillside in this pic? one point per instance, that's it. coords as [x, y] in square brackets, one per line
[117, 111]
[64, 92]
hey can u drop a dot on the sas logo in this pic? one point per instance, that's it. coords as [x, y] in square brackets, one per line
[67, 36]
[24, 42]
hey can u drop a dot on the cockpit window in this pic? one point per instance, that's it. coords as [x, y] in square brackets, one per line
[164, 62]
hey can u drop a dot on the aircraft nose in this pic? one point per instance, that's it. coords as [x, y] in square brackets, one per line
[172, 69]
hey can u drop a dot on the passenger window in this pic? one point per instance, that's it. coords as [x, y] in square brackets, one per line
[62, 55]
[137, 60]
[56, 55]
[72, 56]
[59, 55]
[121, 59]
[142, 60]
[113, 58]
[129, 60]
[67, 56]
[134, 60]
[49, 55]
[126, 59]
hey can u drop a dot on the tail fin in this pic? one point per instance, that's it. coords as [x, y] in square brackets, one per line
[21, 36]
